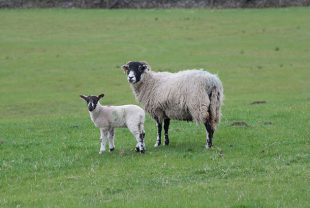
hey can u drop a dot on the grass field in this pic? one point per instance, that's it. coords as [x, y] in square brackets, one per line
[49, 147]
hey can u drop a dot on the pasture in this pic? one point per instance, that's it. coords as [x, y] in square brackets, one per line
[49, 147]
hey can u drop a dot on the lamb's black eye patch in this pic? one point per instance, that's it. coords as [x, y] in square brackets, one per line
[92, 102]
[93, 99]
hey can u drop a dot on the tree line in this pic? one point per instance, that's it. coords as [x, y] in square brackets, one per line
[115, 4]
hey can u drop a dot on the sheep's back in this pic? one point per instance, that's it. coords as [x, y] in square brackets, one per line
[184, 95]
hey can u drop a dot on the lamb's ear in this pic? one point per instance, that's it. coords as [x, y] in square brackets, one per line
[125, 67]
[84, 97]
[100, 96]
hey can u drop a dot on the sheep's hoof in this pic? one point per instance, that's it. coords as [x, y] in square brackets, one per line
[112, 149]
[137, 149]
[142, 151]
[166, 142]
[101, 152]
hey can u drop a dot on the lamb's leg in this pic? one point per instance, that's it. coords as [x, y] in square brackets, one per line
[209, 134]
[143, 135]
[140, 141]
[103, 140]
[138, 134]
[111, 140]
[166, 129]
[141, 138]
[159, 128]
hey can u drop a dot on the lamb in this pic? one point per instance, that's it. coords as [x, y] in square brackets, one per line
[190, 95]
[107, 118]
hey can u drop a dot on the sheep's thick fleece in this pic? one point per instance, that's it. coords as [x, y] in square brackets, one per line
[185, 95]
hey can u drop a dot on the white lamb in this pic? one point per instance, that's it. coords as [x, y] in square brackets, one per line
[191, 95]
[107, 118]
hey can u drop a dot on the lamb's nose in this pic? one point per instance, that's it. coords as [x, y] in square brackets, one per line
[130, 78]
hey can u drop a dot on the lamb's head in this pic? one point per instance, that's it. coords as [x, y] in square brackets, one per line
[135, 71]
[92, 101]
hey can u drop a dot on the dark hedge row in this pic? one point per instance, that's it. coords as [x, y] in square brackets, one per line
[151, 3]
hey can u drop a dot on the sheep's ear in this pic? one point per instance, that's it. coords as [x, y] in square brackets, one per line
[145, 66]
[125, 67]
[100, 96]
[84, 97]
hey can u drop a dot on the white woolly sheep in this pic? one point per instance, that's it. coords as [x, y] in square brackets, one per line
[191, 95]
[107, 118]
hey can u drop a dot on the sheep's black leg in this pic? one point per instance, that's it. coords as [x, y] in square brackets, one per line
[159, 128]
[209, 134]
[166, 129]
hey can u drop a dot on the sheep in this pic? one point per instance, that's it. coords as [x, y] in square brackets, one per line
[107, 118]
[190, 95]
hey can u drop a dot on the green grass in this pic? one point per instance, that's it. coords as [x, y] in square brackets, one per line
[49, 147]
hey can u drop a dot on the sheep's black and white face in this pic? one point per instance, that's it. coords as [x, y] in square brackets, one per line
[134, 71]
[91, 101]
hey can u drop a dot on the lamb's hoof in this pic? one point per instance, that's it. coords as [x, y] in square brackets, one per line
[112, 149]
[208, 146]
[167, 142]
[142, 151]
[157, 144]
[137, 149]
[101, 152]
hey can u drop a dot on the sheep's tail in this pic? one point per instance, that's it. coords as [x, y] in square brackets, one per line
[216, 97]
